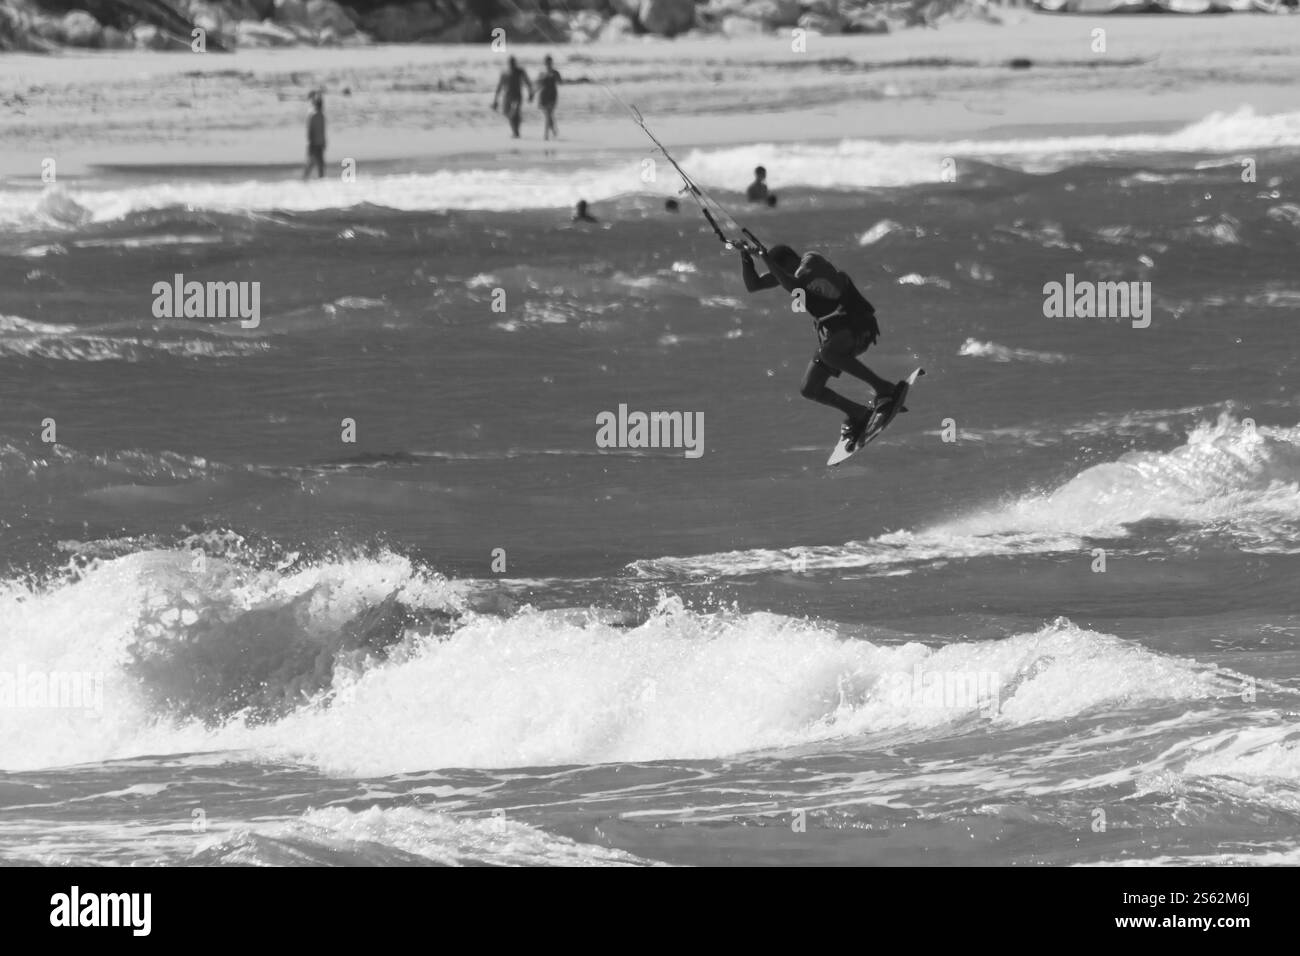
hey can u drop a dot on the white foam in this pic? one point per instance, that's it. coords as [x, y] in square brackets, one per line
[454, 840]
[536, 688]
[1229, 478]
[533, 690]
[71, 343]
[850, 164]
[88, 624]
[1001, 353]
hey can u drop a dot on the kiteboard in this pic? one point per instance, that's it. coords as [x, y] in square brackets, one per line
[880, 419]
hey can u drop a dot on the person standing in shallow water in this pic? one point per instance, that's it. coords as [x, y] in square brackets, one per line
[512, 83]
[758, 191]
[548, 93]
[316, 137]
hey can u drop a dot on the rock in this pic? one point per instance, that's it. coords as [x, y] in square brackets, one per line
[235, 10]
[585, 26]
[534, 27]
[864, 22]
[406, 24]
[79, 28]
[144, 36]
[329, 15]
[627, 8]
[468, 30]
[114, 39]
[303, 32]
[825, 25]
[741, 27]
[255, 33]
[617, 27]
[291, 12]
[47, 28]
[210, 17]
[721, 9]
[360, 38]
[18, 31]
[825, 8]
[667, 17]
[774, 13]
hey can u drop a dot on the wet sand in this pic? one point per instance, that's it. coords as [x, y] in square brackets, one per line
[415, 105]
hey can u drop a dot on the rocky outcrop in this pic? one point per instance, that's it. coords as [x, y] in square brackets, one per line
[44, 25]
[666, 17]
[79, 28]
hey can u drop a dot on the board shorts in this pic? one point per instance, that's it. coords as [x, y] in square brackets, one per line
[864, 334]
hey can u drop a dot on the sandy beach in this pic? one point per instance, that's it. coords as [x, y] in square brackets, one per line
[413, 106]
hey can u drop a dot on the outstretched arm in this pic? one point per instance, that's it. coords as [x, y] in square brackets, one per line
[753, 281]
[496, 97]
[785, 279]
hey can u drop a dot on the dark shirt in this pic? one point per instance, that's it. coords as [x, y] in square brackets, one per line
[849, 308]
[513, 81]
[547, 87]
[316, 130]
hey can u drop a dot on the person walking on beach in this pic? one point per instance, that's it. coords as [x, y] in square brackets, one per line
[845, 321]
[548, 82]
[316, 137]
[512, 82]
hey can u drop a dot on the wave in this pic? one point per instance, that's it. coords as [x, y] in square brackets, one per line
[63, 466]
[372, 666]
[1231, 479]
[329, 836]
[402, 836]
[1001, 353]
[850, 164]
[1256, 754]
[150, 651]
[24, 338]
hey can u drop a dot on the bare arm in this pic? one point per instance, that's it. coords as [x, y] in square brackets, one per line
[786, 280]
[501, 84]
[753, 281]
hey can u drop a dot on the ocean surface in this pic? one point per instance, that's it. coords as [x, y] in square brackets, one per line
[1050, 617]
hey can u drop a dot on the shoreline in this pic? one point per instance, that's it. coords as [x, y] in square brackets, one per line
[424, 105]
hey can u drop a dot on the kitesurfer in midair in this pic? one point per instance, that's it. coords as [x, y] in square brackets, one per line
[844, 319]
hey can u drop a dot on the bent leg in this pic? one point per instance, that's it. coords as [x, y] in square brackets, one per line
[814, 388]
[839, 352]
